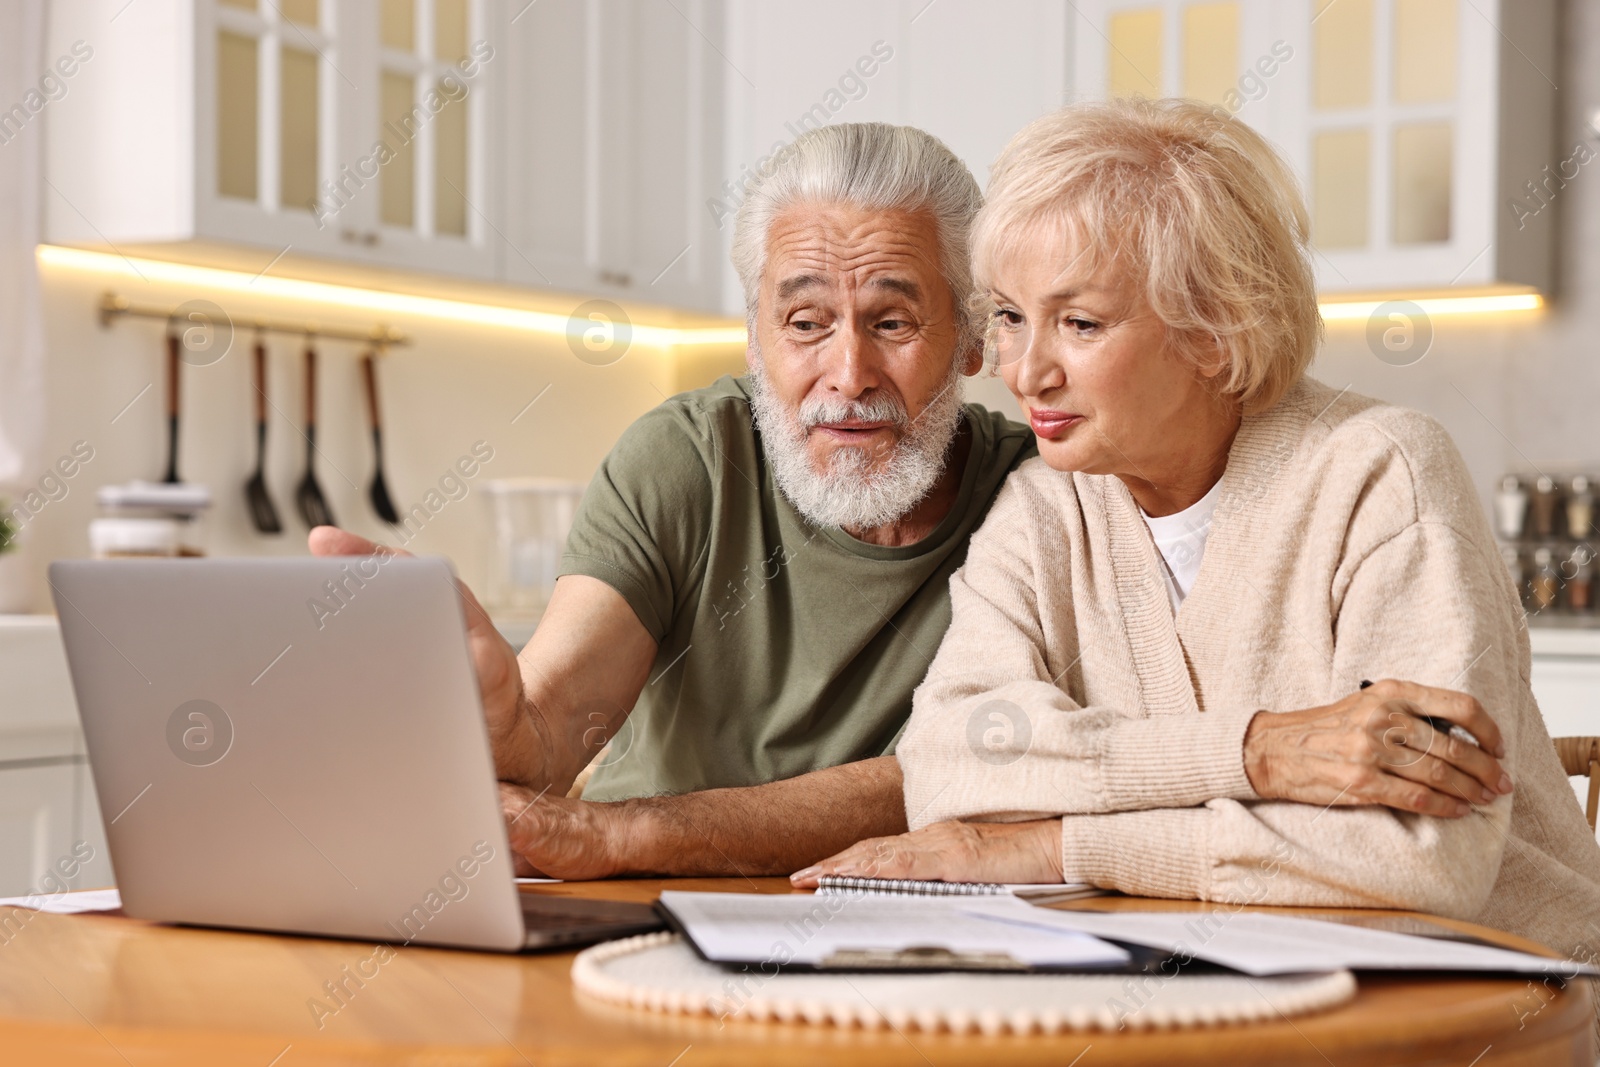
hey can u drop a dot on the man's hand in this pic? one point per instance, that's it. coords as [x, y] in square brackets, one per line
[952, 852]
[557, 837]
[1375, 747]
[511, 729]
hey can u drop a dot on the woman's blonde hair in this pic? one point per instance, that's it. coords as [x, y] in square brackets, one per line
[1186, 197]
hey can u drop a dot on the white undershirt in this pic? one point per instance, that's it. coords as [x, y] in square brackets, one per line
[1181, 540]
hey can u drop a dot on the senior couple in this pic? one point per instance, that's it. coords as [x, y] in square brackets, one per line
[814, 607]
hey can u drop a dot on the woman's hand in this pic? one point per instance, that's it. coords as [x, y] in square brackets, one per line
[952, 852]
[1375, 747]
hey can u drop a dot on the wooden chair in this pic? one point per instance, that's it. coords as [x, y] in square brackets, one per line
[1581, 757]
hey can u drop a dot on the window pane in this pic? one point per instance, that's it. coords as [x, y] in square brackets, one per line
[1422, 183]
[297, 130]
[449, 30]
[302, 11]
[1136, 53]
[450, 164]
[397, 26]
[1210, 51]
[398, 130]
[1424, 50]
[1342, 54]
[236, 116]
[1339, 169]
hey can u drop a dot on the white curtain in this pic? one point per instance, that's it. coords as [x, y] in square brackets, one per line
[22, 398]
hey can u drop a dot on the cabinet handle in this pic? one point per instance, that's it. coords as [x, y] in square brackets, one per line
[616, 277]
[356, 237]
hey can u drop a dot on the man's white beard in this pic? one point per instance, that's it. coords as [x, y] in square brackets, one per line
[860, 489]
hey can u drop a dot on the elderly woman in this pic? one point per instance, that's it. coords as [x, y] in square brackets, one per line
[1155, 679]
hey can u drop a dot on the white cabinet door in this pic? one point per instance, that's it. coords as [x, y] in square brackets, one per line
[271, 111]
[89, 834]
[1420, 128]
[1568, 691]
[36, 823]
[292, 125]
[611, 129]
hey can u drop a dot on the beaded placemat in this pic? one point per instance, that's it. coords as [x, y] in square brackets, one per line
[660, 972]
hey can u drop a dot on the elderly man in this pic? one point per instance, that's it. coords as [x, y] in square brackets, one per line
[758, 576]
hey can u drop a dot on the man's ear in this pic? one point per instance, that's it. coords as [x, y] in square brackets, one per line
[972, 360]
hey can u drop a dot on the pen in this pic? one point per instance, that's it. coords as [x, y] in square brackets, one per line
[1444, 726]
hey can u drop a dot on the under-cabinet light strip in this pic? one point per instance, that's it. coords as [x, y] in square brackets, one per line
[349, 296]
[352, 297]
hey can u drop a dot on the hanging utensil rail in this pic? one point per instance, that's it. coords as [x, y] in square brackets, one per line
[114, 305]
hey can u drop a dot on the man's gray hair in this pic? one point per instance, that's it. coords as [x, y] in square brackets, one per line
[870, 165]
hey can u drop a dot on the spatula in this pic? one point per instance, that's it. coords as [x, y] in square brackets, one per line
[174, 388]
[262, 512]
[379, 491]
[313, 505]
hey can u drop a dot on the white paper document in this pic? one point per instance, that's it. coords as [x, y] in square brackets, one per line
[68, 903]
[777, 929]
[1262, 944]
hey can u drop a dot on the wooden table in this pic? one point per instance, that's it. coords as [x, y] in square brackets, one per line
[103, 989]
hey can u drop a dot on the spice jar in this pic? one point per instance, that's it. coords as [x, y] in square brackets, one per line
[1545, 501]
[1546, 582]
[1580, 509]
[1511, 508]
[1580, 588]
[1513, 560]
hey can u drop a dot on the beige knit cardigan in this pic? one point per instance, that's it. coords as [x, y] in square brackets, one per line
[1347, 544]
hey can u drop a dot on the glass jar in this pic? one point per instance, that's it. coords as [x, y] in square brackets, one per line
[148, 518]
[1511, 508]
[138, 538]
[1546, 501]
[1580, 587]
[530, 519]
[1580, 509]
[1519, 573]
[1546, 585]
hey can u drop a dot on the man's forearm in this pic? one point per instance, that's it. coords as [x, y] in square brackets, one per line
[761, 830]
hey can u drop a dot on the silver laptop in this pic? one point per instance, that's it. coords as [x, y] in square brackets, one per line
[298, 745]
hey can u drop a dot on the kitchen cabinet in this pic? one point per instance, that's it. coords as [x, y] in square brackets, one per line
[970, 74]
[611, 128]
[379, 132]
[1421, 129]
[36, 823]
[47, 802]
[1566, 683]
[348, 130]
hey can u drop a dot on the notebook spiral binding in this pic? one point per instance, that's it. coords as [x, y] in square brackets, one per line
[832, 885]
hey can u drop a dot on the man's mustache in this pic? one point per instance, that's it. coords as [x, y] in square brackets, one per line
[881, 408]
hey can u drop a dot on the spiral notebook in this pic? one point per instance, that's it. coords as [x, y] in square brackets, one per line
[1033, 893]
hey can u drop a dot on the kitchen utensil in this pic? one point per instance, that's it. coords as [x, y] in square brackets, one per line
[379, 491]
[313, 505]
[174, 361]
[262, 512]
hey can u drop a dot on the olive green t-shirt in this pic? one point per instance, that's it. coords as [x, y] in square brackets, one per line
[784, 647]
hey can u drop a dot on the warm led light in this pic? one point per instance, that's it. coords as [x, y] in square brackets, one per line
[353, 297]
[1338, 310]
[349, 297]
